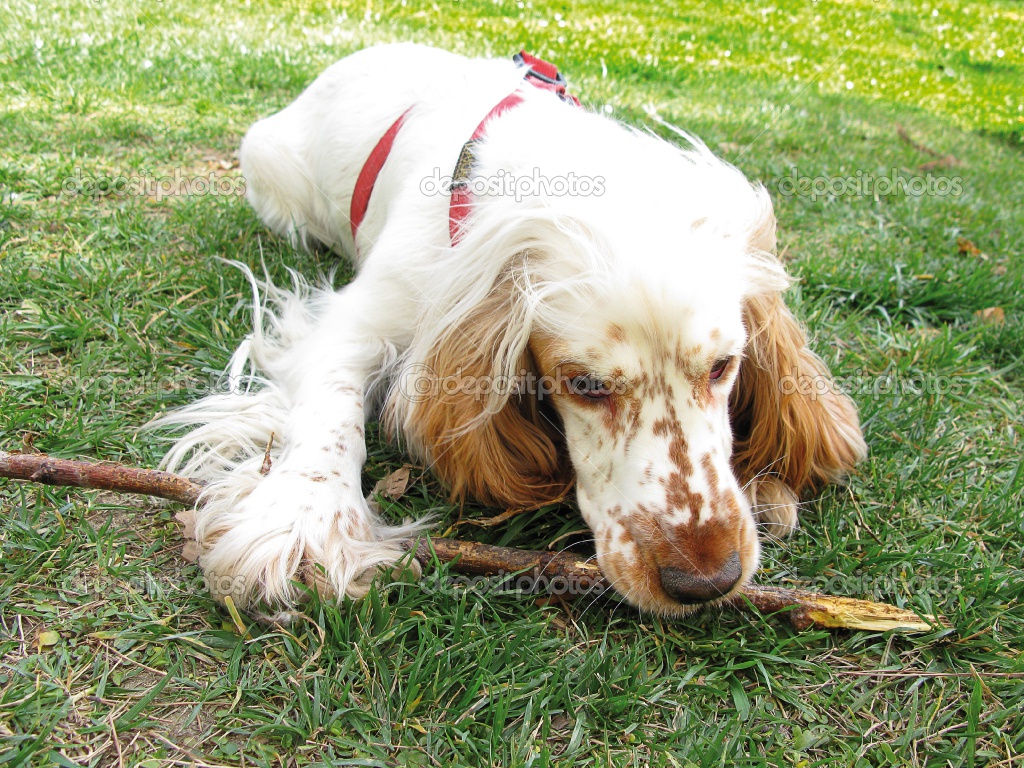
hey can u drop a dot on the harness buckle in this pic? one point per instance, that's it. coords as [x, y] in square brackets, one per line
[532, 64]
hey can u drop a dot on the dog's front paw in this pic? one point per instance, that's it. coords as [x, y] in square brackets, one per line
[775, 506]
[295, 529]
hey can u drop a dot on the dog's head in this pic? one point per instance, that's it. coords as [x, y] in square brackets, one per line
[606, 347]
[642, 400]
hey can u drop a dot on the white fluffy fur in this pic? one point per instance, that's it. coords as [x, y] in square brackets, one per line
[670, 251]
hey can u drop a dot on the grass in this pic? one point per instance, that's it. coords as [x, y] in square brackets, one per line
[114, 307]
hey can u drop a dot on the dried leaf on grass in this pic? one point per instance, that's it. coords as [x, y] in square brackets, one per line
[190, 552]
[394, 485]
[966, 248]
[187, 518]
[993, 315]
[47, 640]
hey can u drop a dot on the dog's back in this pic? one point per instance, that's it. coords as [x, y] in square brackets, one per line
[325, 136]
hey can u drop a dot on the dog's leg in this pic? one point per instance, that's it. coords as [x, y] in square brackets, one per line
[306, 520]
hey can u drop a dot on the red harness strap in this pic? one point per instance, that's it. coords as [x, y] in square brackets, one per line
[462, 196]
[539, 73]
[369, 173]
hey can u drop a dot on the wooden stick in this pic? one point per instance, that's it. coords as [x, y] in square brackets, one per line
[804, 609]
[563, 571]
[103, 476]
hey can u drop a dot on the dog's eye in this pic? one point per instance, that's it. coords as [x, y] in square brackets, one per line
[589, 387]
[719, 368]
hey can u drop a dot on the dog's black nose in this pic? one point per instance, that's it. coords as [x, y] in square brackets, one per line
[691, 589]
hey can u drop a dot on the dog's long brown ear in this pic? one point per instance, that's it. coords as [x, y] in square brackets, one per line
[788, 419]
[510, 457]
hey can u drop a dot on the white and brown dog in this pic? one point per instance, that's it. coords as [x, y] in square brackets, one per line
[586, 304]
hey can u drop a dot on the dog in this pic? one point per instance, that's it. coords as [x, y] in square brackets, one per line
[545, 299]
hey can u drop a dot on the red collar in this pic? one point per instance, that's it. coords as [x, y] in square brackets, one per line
[537, 72]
